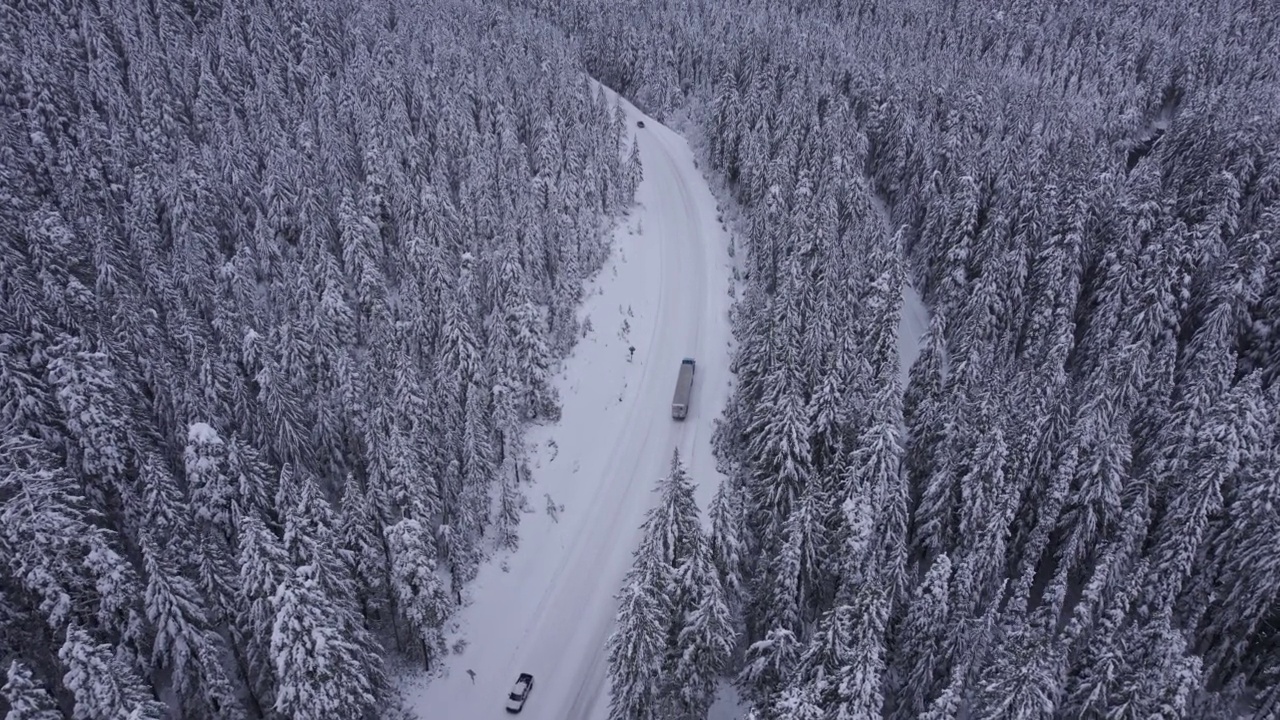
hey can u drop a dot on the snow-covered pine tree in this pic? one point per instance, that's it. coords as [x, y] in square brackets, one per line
[826, 654]
[859, 690]
[320, 673]
[309, 536]
[477, 478]
[86, 390]
[27, 699]
[510, 499]
[1060, 466]
[164, 510]
[632, 171]
[706, 634]
[363, 552]
[983, 481]
[1022, 679]
[1092, 511]
[1158, 675]
[250, 479]
[927, 376]
[183, 647]
[779, 457]
[1233, 430]
[816, 574]
[500, 328]
[673, 522]
[798, 703]
[56, 555]
[879, 451]
[947, 705]
[419, 592]
[828, 420]
[263, 564]
[914, 659]
[537, 397]
[725, 541]
[776, 592]
[1245, 546]
[769, 665]
[204, 459]
[104, 687]
[638, 646]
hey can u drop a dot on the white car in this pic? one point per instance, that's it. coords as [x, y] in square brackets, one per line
[519, 693]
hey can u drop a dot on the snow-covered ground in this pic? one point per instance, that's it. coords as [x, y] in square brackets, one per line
[912, 322]
[728, 705]
[549, 607]
[913, 318]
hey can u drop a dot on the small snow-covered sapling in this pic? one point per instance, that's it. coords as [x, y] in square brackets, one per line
[553, 510]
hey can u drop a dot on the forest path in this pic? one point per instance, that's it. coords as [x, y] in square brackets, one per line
[548, 608]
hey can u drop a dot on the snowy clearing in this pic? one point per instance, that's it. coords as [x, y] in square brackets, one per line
[912, 323]
[549, 607]
[728, 705]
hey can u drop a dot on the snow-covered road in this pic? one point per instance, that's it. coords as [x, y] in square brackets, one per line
[548, 608]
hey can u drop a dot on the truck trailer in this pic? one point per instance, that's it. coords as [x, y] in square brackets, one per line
[684, 388]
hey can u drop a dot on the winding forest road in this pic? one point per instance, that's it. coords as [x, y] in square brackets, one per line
[549, 607]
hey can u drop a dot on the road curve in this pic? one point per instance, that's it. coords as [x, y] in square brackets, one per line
[568, 644]
[552, 615]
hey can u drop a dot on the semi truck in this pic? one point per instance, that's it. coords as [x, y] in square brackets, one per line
[684, 388]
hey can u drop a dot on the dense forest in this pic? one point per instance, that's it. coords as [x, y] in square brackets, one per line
[1071, 508]
[280, 283]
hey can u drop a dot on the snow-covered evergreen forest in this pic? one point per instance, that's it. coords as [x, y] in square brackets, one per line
[280, 283]
[1071, 508]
